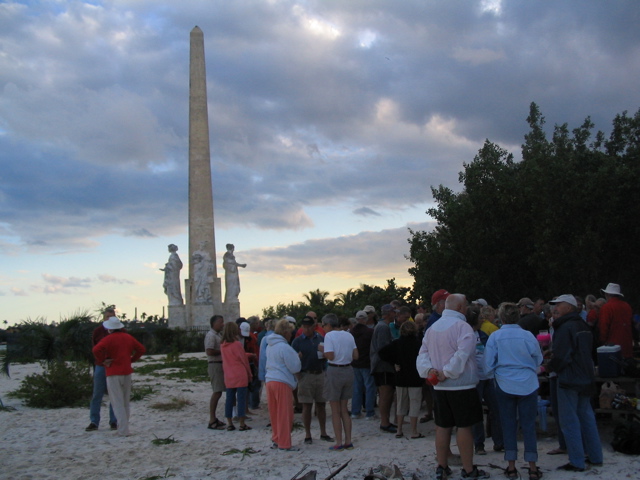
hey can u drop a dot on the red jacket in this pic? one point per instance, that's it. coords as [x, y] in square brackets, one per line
[615, 324]
[122, 349]
[235, 365]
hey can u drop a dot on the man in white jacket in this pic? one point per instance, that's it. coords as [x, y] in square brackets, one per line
[447, 352]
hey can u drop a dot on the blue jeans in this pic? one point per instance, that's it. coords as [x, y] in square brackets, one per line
[514, 409]
[254, 395]
[578, 423]
[553, 394]
[99, 389]
[232, 393]
[363, 384]
[487, 392]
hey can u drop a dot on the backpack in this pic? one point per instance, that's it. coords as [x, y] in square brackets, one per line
[626, 438]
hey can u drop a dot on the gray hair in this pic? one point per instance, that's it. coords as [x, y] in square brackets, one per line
[331, 319]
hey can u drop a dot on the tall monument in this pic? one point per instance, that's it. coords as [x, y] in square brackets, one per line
[203, 292]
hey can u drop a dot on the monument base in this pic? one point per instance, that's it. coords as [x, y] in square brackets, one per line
[177, 316]
[201, 314]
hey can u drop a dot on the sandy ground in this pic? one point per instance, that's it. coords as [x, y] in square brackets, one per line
[52, 444]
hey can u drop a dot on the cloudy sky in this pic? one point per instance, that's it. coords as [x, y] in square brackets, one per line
[329, 122]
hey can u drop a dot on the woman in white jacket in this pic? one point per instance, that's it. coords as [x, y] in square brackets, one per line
[283, 365]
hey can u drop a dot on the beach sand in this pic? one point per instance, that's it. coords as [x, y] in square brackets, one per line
[53, 444]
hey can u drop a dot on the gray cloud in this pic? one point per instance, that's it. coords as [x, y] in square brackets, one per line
[365, 211]
[111, 279]
[364, 254]
[311, 104]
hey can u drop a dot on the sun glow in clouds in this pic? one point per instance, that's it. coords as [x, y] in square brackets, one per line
[316, 25]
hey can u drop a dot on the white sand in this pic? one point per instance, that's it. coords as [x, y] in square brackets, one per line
[52, 444]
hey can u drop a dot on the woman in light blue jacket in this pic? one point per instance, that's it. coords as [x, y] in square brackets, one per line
[513, 355]
[283, 365]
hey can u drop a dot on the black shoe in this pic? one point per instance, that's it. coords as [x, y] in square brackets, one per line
[442, 473]
[426, 418]
[475, 473]
[114, 426]
[91, 428]
[389, 428]
[308, 441]
[570, 468]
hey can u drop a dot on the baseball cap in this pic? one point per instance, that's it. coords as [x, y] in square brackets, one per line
[441, 294]
[361, 314]
[570, 299]
[307, 321]
[245, 329]
[369, 309]
[525, 302]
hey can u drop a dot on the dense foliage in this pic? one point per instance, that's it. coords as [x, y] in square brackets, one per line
[562, 220]
[345, 304]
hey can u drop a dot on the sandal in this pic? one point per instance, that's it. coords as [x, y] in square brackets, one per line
[399, 435]
[216, 425]
[535, 475]
[244, 428]
[418, 436]
[556, 451]
[230, 428]
[511, 474]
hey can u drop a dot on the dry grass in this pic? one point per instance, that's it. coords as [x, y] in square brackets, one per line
[175, 403]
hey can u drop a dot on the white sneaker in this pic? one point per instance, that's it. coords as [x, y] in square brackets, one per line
[356, 417]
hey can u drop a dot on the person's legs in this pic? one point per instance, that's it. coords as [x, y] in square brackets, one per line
[272, 406]
[568, 411]
[321, 412]
[99, 389]
[370, 392]
[509, 422]
[241, 395]
[254, 395]
[116, 395]
[336, 421]
[527, 409]
[386, 398]
[464, 438]
[489, 394]
[590, 435]
[478, 428]
[443, 440]
[228, 405]
[306, 418]
[553, 393]
[280, 400]
[126, 396]
[346, 420]
[213, 406]
[358, 391]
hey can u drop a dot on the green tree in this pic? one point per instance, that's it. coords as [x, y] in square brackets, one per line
[561, 220]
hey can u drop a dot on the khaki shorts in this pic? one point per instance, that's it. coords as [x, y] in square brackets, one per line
[311, 388]
[409, 400]
[338, 383]
[217, 377]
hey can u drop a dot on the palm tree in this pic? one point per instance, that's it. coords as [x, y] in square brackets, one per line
[317, 298]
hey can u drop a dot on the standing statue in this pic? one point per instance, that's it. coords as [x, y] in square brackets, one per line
[172, 276]
[231, 278]
[203, 269]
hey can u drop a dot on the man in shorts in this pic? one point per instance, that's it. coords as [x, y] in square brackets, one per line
[448, 352]
[311, 379]
[212, 343]
[340, 350]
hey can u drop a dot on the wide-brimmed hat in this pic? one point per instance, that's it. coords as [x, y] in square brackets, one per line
[113, 323]
[612, 289]
[570, 299]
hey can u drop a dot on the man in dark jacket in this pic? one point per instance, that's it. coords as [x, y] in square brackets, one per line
[571, 359]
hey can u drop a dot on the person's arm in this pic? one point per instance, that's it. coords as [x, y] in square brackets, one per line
[423, 362]
[99, 351]
[604, 324]
[292, 361]
[490, 358]
[561, 350]
[354, 354]
[138, 350]
[466, 345]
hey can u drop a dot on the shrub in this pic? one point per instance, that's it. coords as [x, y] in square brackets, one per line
[60, 385]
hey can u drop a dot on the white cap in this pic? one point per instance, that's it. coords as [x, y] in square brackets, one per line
[245, 329]
[570, 299]
[289, 319]
[361, 314]
[481, 301]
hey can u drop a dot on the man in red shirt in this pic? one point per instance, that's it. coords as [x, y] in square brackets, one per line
[616, 321]
[100, 379]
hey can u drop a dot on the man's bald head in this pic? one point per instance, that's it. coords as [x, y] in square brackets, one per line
[457, 302]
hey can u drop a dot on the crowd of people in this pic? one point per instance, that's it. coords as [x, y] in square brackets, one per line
[456, 358]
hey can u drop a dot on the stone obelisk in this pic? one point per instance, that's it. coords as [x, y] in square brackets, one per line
[202, 242]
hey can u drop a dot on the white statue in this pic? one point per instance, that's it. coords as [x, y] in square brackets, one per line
[203, 269]
[231, 278]
[172, 276]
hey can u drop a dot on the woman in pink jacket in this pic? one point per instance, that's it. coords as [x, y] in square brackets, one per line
[237, 374]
